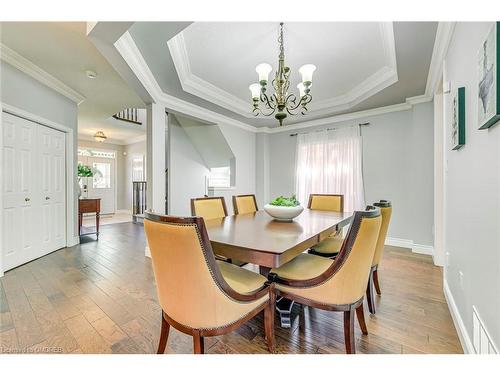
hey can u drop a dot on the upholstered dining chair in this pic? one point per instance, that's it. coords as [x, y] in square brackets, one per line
[212, 208]
[244, 204]
[386, 212]
[335, 285]
[209, 207]
[199, 295]
[330, 246]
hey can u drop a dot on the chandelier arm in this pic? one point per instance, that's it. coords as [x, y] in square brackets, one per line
[268, 103]
[258, 110]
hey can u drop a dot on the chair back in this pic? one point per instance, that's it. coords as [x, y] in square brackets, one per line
[244, 204]
[191, 289]
[326, 202]
[209, 207]
[386, 212]
[344, 282]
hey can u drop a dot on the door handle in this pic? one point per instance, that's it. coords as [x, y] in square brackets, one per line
[26, 199]
[47, 198]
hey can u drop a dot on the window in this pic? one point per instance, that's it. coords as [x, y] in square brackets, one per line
[138, 168]
[219, 177]
[102, 176]
[329, 162]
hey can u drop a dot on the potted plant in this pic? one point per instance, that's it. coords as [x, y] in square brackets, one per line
[84, 171]
[284, 208]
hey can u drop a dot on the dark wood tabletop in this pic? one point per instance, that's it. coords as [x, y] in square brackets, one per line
[257, 238]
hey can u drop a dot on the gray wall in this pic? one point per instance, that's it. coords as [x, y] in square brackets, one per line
[472, 193]
[187, 170]
[133, 149]
[397, 165]
[24, 92]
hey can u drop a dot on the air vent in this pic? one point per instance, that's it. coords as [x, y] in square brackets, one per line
[482, 340]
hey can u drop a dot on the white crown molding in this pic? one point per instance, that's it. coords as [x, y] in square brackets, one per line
[26, 66]
[444, 34]
[376, 82]
[131, 54]
[338, 118]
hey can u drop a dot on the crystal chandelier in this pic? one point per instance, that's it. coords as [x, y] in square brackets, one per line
[281, 102]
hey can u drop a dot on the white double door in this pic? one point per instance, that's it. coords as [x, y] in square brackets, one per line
[34, 190]
[102, 185]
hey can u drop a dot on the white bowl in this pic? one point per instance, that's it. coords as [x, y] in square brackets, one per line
[283, 213]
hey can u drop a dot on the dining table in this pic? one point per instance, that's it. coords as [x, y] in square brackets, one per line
[259, 239]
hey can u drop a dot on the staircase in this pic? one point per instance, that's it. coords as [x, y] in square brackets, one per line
[129, 115]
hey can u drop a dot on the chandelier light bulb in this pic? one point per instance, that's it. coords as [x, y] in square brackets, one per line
[302, 89]
[255, 90]
[307, 72]
[263, 71]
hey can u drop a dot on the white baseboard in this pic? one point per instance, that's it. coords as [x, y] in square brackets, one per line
[147, 252]
[128, 212]
[422, 249]
[463, 336]
[399, 242]
[75, 240]
[409, 244]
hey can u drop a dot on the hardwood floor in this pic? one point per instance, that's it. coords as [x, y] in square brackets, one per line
[100, 297]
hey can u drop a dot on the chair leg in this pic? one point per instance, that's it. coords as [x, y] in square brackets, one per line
[165, 328]
[269, 321]
[198, 343]
[349, 332]
[361, 319]
[369, 294]
[375, 281]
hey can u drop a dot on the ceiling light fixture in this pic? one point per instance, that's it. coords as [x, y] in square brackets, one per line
[100, 137]
[281, 101]
[90, 74]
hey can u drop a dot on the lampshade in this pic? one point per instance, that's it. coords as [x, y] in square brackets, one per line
[263, 71]
[307, 72]
[99, 136]
[302, 89]
[255, 90]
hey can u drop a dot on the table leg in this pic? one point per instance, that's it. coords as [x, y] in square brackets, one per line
[264, 271]
[97, 224]
[80, 222]
[284, 308]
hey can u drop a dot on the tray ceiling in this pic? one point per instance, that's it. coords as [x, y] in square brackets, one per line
[216, 61]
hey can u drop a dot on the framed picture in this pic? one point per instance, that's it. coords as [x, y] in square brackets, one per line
[458, 119]
[488, 79]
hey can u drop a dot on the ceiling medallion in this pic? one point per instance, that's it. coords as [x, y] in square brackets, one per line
[281, 102]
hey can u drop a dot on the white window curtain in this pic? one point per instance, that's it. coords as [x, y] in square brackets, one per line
[330, 162]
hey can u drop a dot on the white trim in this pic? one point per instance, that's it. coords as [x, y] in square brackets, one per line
[201, 88]
[463, 336]
[444, 34]
[147, 252]
[26, 66]
[399, 242]
[423, 249]
[123, 211]
[71, 222]
[338, 118]
[131, 54]
[410, 244]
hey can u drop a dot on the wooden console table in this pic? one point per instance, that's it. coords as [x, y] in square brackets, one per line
[85, 206]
